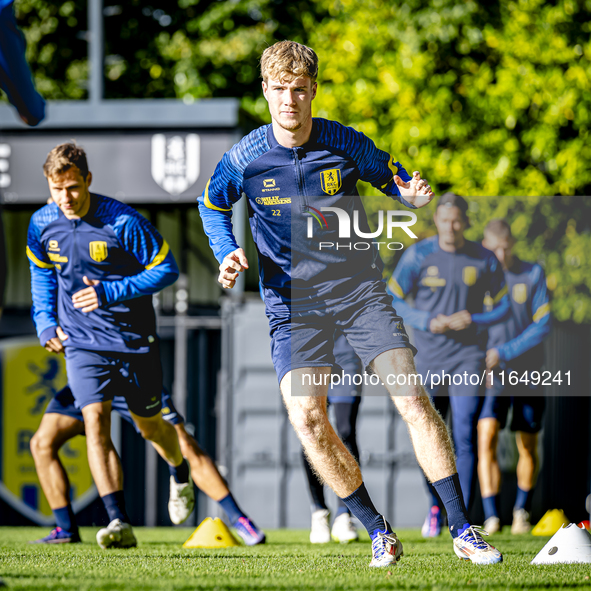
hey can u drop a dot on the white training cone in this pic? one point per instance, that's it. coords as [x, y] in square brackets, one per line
[569, 544]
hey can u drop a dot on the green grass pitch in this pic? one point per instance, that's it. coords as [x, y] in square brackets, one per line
[286, 562]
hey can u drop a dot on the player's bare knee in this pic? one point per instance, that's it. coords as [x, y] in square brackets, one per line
[309, 421]
[415, 410]
[40, 445]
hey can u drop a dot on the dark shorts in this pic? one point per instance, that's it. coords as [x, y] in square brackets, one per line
[306, 338]
[526, 400]
[63, 404]
[347, 360]
[99, 376]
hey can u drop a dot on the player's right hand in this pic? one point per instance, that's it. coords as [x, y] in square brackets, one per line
[460, 320]
[439, 325]
[493, 359]
[232, 265]
[55, 345]
[417, 191]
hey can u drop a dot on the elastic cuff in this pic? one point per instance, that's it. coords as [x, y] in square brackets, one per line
[101, 294]
[47, 335]
[226, 252]
[405, 202]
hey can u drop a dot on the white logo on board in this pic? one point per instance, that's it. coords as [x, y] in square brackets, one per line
[175, 161]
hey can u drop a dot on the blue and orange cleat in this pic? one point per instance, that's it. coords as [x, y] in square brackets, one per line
[470, 545]
[249, 532]
[386, 548]
[59, 536]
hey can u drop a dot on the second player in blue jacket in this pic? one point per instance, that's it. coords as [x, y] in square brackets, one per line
[95, 264]
[515, 346]
[449, 278]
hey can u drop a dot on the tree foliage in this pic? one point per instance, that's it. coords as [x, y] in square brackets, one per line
[488, 99]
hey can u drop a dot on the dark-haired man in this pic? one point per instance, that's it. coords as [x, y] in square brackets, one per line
[449, 278]
[94, 265]
[514, 345]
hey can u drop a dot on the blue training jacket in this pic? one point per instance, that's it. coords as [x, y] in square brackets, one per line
[445, 283]
[284, 186]
[114, 244]
[519, 337]
[15, 76]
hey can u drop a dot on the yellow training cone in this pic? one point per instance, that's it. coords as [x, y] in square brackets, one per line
[552, 521]
[211, 533]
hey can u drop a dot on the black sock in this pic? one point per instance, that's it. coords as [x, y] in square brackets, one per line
[180, 473]
[450, 493]
[115, 506]
[361, 506]
[315, 487]
[65, 519]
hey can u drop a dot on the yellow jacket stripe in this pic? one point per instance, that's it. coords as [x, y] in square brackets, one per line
[39, 263]
[160, 256]
[542, 311]
[501, 294]
[208, 203]
[395, 288]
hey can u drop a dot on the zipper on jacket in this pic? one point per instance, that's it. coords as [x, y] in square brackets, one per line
[300, 177]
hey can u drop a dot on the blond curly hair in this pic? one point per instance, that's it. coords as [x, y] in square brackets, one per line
[287, 60]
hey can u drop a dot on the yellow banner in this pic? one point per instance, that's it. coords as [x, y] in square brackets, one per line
[31, 377]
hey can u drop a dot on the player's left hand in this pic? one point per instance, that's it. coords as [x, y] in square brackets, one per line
[460, 320]
[87, 298]
[417, 191]
[493, 359]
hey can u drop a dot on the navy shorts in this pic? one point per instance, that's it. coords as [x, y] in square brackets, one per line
[527, 402]
[306, 337]
[347, 360]
[63, 404]
[99, 376]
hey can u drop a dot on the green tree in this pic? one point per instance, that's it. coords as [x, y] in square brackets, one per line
[489, 100]
[56, 46]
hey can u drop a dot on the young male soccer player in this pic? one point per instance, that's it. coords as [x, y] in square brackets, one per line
[449, 278]
[345, 399]
[94, 264]
[515, 345]
[62, 421]
[289, 170]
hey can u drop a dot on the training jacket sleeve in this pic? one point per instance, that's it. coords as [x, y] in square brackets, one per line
[223, 189]
[498, 314]
[401, 284]
[139, 238]
[375, 166]
[539, 329]
[498, 293]
[43, 286]
[15, 76]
